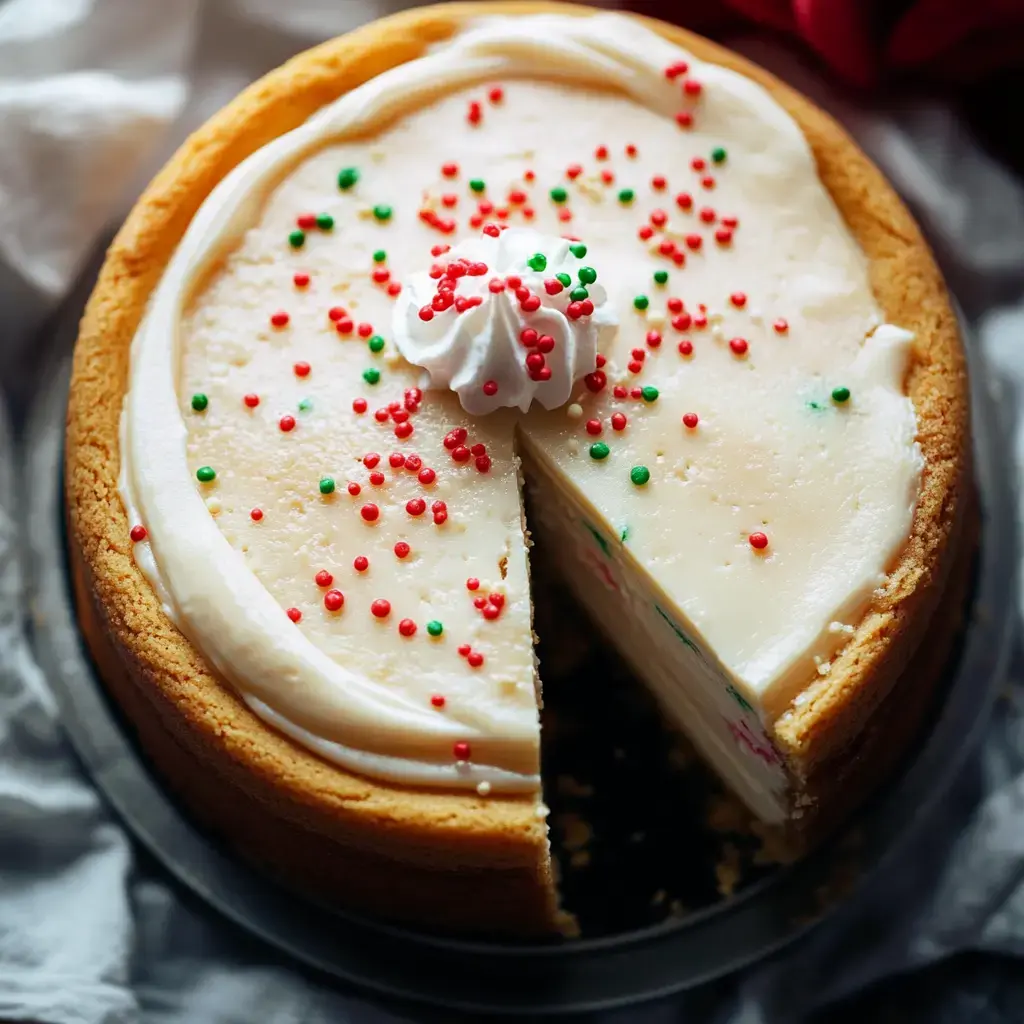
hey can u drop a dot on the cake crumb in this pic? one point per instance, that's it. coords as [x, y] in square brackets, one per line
[568, 786]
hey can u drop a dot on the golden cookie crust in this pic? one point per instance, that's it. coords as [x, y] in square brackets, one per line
[445, 859]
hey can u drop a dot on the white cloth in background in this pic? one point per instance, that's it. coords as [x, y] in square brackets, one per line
[94, 95]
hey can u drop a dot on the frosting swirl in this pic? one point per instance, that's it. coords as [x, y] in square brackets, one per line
[506, 318]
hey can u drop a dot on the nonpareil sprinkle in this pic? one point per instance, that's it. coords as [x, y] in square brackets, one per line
[639, 475]
[840, 395]
[382, 212]
[205, 474]
[376, 343]
[599, 450]
[371, 375]
[199, 401]
[347, 177]
[327, 485]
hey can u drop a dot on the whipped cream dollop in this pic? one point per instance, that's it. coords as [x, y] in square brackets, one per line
[511, 316]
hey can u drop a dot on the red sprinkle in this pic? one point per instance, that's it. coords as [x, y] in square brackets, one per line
[689, 419]
[280, 318]
[475, 659]
[449, 170]
[496, 95]
[396, 460]
[138, 533]
[323, 578]
[376, 478]
[460, 453]
[684, 201]
[738, 299]
[461, 751]
[426, 476]
[300, 279]
[630, 150]
[360, 563]
[645, 232]
[739, 346]
[475, 113]
[694, 242]
[251, 400]
[286, 422]
[680, 67]
[380, 608]
[692, 87]
[358, 405]
[464, 649]
[354, 489]
[256, 515]
[370, 512]
[573, 171]
[426, 313]
[781, 326]
[686, 347]
[306, 221]
[335, 313]
[601, 153]
[301, 369]
[472, 583]
[618, 421]
[333, 600]
[684, 119]
[402, 549]
[415, 506]
[596, 381]
[653, 338]
[407, 627]
[364, 330]
[594, 427]
[437, 701]
[758, 541]
[294, 614]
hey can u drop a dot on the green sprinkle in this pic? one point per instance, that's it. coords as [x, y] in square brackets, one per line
[649, 394]
[434, 628]
[639, 475]
[839, 395]
[578, 249]
[626, 195]
[588, 275]
[599, 450]
[305, 405]
[327, 485]
[641, 302]
[538, 261]
[558, 194]
[579, 293]
[204, 474]
[718, 155]
[372, 375]
[376, 343]
[816, 406]
[324, 221]
[347, 178]
[380, 256]
[382, 212]
[199, 401]
[624, 534]
[296, 238]
[564, 279]
[660, 276]
[477, 184]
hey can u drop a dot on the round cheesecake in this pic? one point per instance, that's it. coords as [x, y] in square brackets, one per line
[464, 255]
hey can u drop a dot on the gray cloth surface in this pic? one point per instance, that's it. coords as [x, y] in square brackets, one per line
[91, 932]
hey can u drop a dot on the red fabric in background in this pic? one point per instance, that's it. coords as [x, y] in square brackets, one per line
[866, 42]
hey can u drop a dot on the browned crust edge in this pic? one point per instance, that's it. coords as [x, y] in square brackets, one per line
[211, 724]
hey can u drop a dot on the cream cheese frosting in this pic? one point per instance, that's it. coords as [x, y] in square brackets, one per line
[499, 346]
[739, 468]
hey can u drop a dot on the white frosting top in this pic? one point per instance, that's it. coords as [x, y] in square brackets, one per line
[497, 345]
[831, 482]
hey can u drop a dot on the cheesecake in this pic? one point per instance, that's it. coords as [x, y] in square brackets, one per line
[469, 275]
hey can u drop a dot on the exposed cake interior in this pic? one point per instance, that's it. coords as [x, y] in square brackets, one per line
[725, 491]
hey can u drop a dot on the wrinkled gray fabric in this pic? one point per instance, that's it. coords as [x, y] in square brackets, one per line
[90, 931]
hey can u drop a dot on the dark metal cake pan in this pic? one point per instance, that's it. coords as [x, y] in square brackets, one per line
[587, 974]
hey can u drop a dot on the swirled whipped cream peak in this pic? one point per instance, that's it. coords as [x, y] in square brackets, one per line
[506, 318]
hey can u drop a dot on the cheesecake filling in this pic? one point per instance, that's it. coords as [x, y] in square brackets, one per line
[722, 449]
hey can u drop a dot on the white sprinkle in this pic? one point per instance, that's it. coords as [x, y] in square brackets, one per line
[214, 506]
[573, 445]
[575, 411]
[756, 315]
[483, 788]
